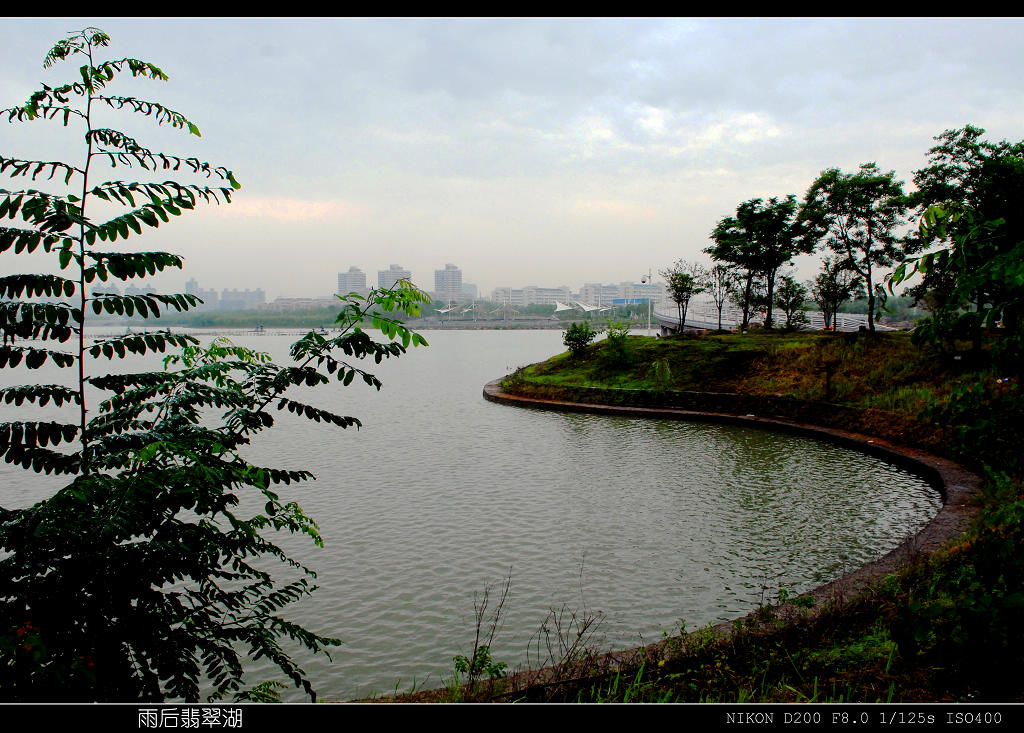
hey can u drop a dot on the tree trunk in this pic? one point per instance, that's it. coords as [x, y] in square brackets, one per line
[976, 336]
[746, 301]
[871, 305]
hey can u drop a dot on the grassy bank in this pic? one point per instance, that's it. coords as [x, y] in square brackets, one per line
[877, 384]
[944, 627]
[882, 371]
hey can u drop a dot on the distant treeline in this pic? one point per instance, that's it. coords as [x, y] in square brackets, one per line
[901, 310]
[324, 317]
[305, 318]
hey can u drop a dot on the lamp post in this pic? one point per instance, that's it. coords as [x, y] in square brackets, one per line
[648, 278]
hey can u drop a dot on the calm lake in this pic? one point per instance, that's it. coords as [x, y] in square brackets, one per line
[441, 494]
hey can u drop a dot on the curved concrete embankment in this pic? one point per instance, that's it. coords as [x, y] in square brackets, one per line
[957, 485]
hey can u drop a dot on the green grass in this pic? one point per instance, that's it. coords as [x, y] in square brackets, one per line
[884, 371]
[881, 383]
[692, 363]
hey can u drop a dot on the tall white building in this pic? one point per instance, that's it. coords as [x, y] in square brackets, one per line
[210, 297]
[394, 273]
[353, 281]
[448, 283]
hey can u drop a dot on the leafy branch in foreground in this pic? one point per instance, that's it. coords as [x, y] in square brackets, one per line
[969, 222]
[145, 577]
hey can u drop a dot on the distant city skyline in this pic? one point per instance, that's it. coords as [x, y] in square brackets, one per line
[541, 151]
[447, 285]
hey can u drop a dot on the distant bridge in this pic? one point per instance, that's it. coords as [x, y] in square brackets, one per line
[705, 318]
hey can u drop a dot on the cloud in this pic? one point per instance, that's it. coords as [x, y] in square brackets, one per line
[650, 136]
[594, 129]
[619, 209]
[413, 136]
[287, 209]
[652, 120]
[722, 131]
[442, 136]
[746, 128]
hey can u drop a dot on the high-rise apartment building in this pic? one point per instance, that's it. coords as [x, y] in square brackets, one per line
[394, 273]
[239, 300]
[448, 283]
[353, 281]
[209, 296]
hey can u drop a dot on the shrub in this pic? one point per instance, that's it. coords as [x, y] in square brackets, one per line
[578, 336]
[616, 349]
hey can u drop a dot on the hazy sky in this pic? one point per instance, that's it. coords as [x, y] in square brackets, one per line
[542, 152]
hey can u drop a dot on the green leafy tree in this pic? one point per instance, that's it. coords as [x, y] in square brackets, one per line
[684, 280]
[145, 577]
[747, 292]
[790, 297]
[718, 281]
[831, 288]
[859, 216]
[577, 337]
[934, 291]
[968, 202]
[971, 174]
[760, 239]
[986, 269]
[733, 245]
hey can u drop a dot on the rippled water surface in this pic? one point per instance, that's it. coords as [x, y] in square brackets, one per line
[647, 521]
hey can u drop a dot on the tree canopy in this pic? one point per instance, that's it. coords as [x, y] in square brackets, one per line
[790, 297]
[761, 238]
[859, 216]
[683, 280]
[969, 200]
[832, 286]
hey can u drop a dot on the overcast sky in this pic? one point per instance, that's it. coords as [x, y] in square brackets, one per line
[543, 152]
